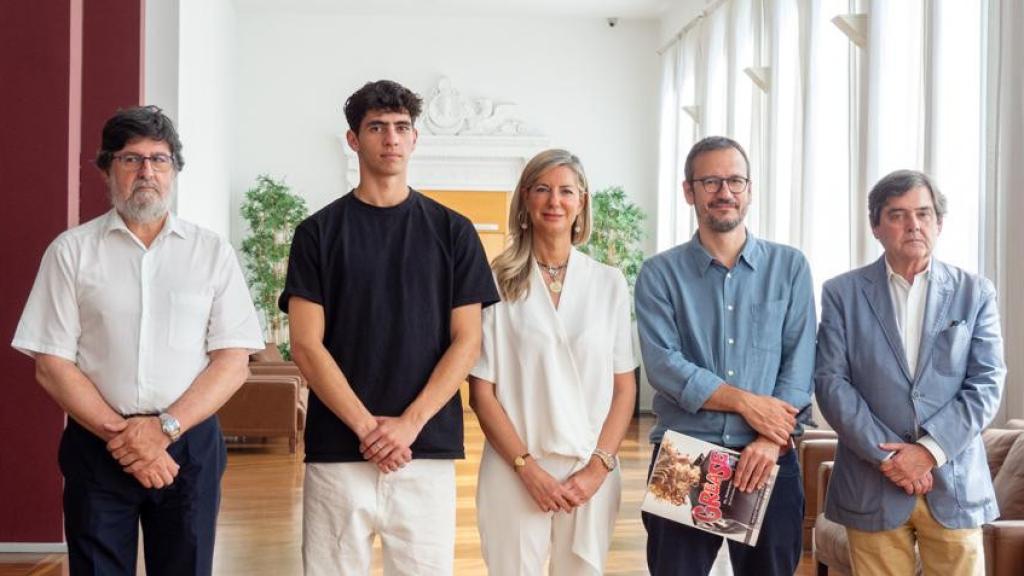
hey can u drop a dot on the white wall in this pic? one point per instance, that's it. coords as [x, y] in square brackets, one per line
[589, 88]
[160, 85]
[204, 109]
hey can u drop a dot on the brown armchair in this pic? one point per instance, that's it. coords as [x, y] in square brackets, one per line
[813, 448]
[1003, 538]
[270, 404]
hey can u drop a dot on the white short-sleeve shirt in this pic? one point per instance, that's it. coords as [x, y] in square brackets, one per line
[138, 322]
[553, 369]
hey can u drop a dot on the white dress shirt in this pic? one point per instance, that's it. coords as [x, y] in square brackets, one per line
[138, 322]
[909, 302]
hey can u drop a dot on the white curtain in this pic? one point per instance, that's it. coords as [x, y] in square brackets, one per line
[895, 81]
[825, 208]
[782, 159]
[835, 117]
[713, 78]
[668, 153]
[677, 133]
[1005, 175]
[704, 91]
[953, 134]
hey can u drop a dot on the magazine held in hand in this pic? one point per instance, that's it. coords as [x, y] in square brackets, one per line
[691, 483]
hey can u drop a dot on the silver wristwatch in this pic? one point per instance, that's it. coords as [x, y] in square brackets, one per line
[170, 426]
[609, 460]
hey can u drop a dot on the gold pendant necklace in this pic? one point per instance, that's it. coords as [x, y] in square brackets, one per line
[554, 272]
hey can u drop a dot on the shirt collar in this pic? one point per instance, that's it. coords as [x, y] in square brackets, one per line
[751, 254]
[172, 226]
[892, 275]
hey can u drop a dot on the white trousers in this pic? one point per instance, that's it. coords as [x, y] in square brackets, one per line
[345, 505]
[517, 538]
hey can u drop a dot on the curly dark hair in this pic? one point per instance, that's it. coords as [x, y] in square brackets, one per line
[381, 95]
[128, 124]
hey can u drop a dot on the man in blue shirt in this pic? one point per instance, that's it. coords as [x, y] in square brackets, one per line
[727, 326]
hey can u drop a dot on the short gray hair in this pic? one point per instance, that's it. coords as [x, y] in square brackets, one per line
[897, 184]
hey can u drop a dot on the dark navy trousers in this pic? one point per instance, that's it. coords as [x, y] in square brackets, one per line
[674, 549]
[103, 506]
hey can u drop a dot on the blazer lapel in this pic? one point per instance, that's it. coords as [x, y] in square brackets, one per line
[875, 286]
[940, 296]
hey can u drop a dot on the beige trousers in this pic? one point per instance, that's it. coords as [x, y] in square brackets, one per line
[518, 539]
[344, 505]
[944, 551]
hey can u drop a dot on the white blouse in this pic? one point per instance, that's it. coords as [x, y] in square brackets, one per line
[553, 367]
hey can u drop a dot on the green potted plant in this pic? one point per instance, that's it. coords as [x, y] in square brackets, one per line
[273, 212]
[617, 232]
[615, 240]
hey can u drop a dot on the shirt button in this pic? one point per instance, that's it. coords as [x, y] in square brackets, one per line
[729, 307]
[728, 275]
[915, 394]
[731, 341]
[729, 372]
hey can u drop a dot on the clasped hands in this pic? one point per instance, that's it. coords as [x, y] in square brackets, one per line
[140, 446]
[387, 443]
[908, 466]
[774, 420]
[554, 496]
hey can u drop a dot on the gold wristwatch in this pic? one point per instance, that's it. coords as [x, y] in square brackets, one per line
[520, 461]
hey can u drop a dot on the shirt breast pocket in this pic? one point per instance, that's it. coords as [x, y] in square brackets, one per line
[767, 320]
[190, 317]
[951, 346]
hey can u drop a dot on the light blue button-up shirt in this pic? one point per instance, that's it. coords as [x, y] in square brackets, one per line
[702, 325]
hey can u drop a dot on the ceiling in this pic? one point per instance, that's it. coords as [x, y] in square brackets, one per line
[630, 9]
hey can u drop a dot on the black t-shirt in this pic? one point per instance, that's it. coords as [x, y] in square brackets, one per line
[388, 279]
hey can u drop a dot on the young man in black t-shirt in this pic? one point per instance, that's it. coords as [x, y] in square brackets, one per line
[384, 293]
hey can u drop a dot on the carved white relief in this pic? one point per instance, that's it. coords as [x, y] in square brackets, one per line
[449, 113]
[465, 144]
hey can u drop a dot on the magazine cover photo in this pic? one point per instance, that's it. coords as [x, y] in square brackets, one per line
[691, 483]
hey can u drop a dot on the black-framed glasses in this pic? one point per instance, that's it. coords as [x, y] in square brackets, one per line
[134, 162]
[712, 184]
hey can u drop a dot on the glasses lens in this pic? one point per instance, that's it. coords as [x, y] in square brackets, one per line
[160, 162]
[737, 185]
[131, 161]
[711, 184]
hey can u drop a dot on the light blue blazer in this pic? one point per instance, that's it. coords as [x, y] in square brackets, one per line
[868, 395]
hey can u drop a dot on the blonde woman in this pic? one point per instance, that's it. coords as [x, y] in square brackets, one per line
[554, 386]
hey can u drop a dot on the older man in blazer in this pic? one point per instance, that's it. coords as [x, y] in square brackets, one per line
[909, 371]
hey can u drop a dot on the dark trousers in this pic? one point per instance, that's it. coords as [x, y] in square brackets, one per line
[103, 506]
[675, 549]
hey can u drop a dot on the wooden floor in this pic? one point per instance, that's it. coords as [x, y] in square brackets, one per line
[259, 530]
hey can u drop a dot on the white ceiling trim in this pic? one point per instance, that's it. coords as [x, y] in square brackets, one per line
[626, 9]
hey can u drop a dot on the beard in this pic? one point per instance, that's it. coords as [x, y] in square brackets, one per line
[725, 224]
[145, 204]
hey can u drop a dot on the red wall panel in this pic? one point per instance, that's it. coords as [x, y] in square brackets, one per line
[38, 186]
[112, 58]
[54, 97]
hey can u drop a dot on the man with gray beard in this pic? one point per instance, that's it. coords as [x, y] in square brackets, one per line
[140, 325]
